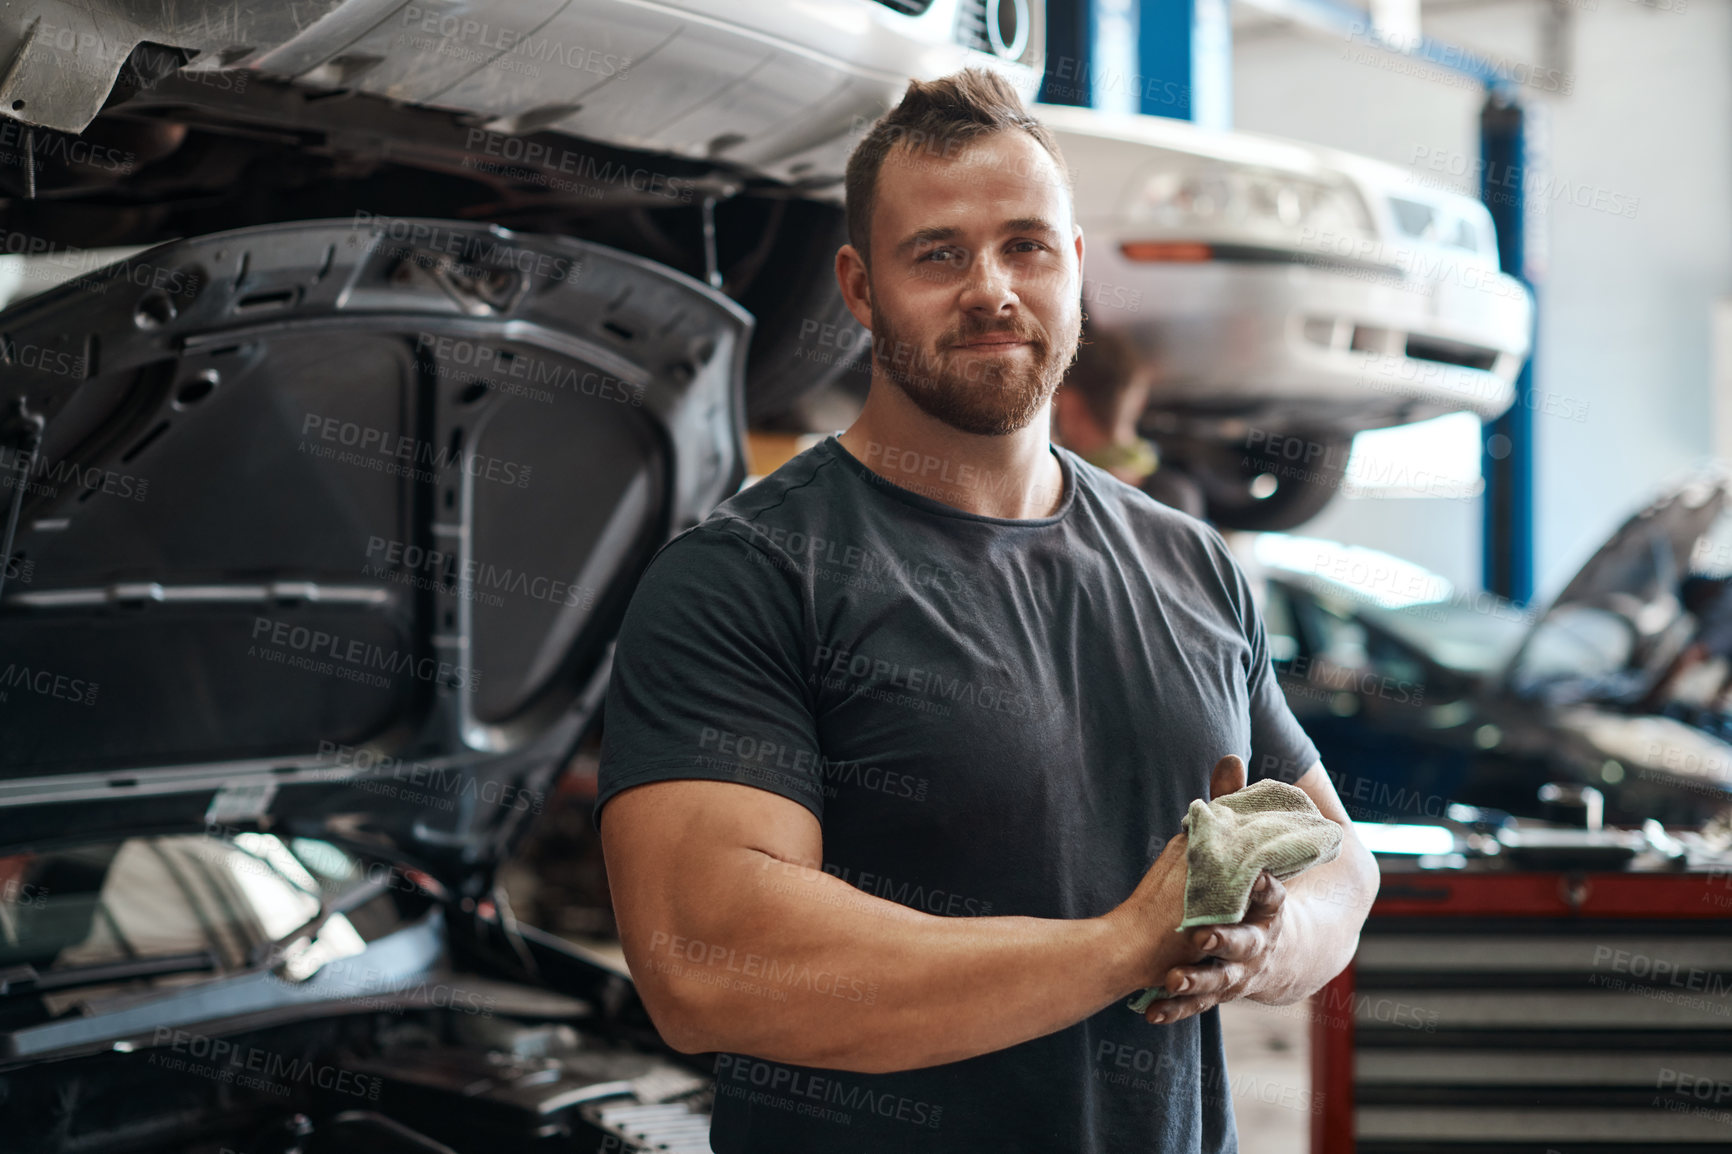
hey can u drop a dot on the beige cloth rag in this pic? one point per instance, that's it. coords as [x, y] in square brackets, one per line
[1268, 825]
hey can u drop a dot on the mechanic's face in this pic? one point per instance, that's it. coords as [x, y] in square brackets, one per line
[975, 281]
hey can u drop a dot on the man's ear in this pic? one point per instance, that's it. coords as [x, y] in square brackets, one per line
[855, 283]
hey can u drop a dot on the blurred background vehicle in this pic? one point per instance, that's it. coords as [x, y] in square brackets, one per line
[1286, 297]
[1421, 696]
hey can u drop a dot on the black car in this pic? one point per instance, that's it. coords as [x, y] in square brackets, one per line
[1419, 697]
[318, 536]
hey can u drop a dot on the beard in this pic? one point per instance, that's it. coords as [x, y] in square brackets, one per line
[986, 395]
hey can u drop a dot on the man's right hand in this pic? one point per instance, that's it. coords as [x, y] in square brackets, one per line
[1151, 916]
[1153, 912]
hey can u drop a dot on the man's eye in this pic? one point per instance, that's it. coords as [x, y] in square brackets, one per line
[1029, 246]
[941, 254]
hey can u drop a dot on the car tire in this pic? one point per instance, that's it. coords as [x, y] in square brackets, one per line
[805, 336]
[1236, 481]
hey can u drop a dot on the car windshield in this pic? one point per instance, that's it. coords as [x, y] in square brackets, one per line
[1474, 633]
[1644, 619]
[172, 908]
[1460, 635]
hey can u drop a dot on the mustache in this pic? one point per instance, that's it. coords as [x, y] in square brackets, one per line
[973, 331]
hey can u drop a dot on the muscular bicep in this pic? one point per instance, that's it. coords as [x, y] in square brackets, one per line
[686, 858]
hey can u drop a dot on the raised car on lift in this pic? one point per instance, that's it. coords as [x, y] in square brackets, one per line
[1287, 296]
[706, 135]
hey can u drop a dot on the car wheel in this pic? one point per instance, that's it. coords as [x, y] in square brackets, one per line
[805, 336]
[1251, 488]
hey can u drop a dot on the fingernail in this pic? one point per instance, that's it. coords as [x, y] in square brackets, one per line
[1212, 941]
[1182, 985]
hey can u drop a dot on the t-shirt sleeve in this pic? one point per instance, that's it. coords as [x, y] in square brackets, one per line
[709, 677]
[1280, 748]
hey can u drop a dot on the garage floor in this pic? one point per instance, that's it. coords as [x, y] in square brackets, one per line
[1268, 1069]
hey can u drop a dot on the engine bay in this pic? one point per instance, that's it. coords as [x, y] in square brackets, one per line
[440, 1081]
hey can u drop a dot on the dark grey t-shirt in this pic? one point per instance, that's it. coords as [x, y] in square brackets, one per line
[988, 717]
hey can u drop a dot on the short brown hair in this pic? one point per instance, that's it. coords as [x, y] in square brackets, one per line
[942, 116]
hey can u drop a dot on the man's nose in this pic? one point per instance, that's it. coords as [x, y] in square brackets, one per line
[987, 286]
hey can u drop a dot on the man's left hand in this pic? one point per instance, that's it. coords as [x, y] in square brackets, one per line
[1236, 957]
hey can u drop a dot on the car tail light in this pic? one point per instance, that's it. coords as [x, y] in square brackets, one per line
[1161, 250]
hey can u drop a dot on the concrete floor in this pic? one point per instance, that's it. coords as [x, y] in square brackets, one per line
[1269, 1071]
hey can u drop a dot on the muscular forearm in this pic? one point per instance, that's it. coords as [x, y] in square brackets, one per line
[799, 966]
[1324, 911]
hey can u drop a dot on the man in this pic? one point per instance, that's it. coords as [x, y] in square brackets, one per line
[1709, 601]
[894, 735]
[1095, 416]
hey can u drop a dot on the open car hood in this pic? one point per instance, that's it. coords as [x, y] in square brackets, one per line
[327, 527]
[1622, 605]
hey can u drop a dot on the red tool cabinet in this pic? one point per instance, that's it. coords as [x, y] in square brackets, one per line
[1502, 1012]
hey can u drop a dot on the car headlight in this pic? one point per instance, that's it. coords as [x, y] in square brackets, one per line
[1459, 223]
[1246, 205]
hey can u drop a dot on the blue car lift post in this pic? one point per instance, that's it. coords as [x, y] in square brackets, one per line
[1508, 461]
[1183, 69]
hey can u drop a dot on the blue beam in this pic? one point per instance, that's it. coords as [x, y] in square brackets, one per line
[1508, 461]
[1165, 32]
[1069, 44]
[1155, 57]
